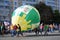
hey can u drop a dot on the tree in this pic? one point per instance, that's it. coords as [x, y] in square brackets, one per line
[56, 17]
[45, 12]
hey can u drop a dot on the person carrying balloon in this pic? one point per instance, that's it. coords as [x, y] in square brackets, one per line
[13, 29]
[19, 30]
[46, 27]
[41, 28]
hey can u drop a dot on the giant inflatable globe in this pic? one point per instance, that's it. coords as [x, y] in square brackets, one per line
[27, 17]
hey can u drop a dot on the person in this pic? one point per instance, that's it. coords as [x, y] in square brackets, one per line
[51, 28]
[36, 30]
[19, 31]
[11, 30]
[59, 27]
[41, 28]
[15, 28]
[2, 29]
[46, 27]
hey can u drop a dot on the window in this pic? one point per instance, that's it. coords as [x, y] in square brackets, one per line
[15, 8]
[15, 3]
[53, 7]
[22, 0]
[53, 0]
[1, 6]
[51, 3]
[7, 2]
[33, 0]
[31, 4]
[1, 0]
[1, 11]
[7, 7]
[28, 0]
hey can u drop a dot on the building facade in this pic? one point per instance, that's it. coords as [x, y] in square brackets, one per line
[30, 2]
[4, 9]
[59, 5]
[8, 6]
[55, 4]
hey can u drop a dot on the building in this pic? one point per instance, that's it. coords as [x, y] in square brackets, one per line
[55, 4]
[15, 4]
[7, 7]
[30, 2]
[4, 9]
[59, 5]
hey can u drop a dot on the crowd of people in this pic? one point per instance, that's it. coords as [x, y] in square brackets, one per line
[16, 29]
[10, 29]
[47, 28]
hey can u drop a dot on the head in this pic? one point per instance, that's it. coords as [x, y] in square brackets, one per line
[18, 24]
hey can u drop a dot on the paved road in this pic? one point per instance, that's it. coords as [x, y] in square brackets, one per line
[32, 36]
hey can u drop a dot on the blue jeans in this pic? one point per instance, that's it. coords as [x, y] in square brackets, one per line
[13, 32]
[51, 29]
[59, 29]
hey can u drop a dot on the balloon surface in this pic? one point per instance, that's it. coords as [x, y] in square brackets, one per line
[27, 17]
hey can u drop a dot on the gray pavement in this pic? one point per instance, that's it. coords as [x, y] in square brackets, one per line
[32, 36]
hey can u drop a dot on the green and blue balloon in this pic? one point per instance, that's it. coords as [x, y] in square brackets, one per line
[27, 17]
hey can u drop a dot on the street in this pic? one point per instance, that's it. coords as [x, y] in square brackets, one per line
[32, 36]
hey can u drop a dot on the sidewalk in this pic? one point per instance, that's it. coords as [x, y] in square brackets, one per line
[55, 33]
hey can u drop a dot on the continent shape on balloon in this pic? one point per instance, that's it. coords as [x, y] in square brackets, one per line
[27, 17]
